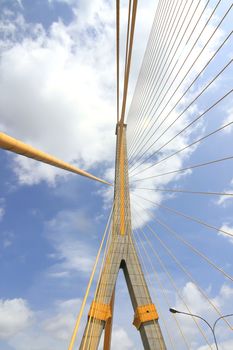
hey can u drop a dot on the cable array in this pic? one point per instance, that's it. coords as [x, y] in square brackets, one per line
[185, 270]
[173, 285]
[150, 117]
[180, 150]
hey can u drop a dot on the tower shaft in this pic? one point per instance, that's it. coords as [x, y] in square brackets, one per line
[121, 253]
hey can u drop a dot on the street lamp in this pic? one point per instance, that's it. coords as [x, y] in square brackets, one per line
[174, 311]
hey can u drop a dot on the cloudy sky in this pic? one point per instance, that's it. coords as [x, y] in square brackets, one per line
[58, 93]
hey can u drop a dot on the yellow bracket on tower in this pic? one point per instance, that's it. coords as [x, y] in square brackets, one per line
[100, 311]
[145, 313]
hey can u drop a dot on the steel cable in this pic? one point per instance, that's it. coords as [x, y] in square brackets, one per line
[193, 121]
[165, 62]
[179, 213]
[185, 191]
[153, 48]
[189, 245]
[187, 107]
[186, 147]
[159, 53]
[185, 169]
[199, 74]
[212, 13]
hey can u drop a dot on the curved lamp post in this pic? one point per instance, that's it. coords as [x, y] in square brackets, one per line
[174, 311]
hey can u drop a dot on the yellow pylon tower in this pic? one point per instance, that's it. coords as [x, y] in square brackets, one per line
[121, 253]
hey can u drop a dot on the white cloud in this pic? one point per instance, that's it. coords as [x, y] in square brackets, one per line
[7, 238]
[7, 243]
[227, 228]
[61, 325]
[2, 213]
[51, 329]
[15, 316]
[120, 340]
[59, 274]
[20, 3]
[66, 234]
[69, 2]
[2, 208]
[226, 345]
[224, 200]
[60, 85]
[63, 88]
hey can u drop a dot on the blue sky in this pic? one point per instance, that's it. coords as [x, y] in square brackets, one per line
[57, 92]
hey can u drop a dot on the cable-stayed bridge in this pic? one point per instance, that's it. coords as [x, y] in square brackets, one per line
[170, 132]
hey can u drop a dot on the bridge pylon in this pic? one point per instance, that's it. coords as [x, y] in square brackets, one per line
[121, 254]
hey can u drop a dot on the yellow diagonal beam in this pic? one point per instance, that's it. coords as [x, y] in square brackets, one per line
[13, 145]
